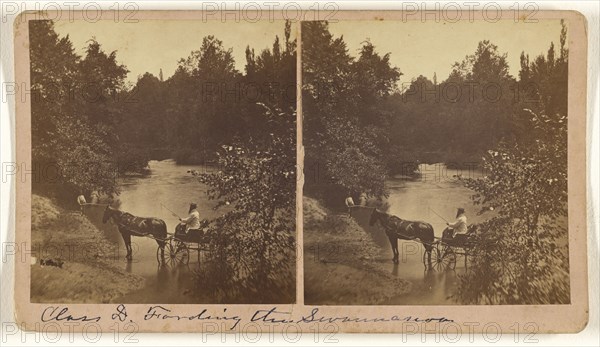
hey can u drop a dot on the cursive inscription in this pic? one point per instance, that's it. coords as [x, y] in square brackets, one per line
[163, 313]
[315, 317]
[60, 314]
[268, 316]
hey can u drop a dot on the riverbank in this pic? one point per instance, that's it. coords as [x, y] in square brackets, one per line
[341, 261]
[84, 267]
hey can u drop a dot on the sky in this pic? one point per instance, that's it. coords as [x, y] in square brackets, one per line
[424, 48]
[416, 48]
[151, 45]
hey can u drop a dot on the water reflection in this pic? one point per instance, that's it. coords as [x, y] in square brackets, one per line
[128, 266]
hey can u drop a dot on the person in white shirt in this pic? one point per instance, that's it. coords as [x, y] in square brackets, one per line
[349, 203]
[193, 219]
[458, 229]
[362, 199]
[460, 224]
[82, 202]
[95, 197]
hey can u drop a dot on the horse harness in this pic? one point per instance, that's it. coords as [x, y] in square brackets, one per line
[131, 231]
[138, 222]
[395, 224]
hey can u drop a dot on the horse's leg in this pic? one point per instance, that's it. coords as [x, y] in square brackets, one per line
[162, 235]
[430, 238]
[428, 249]
[129, 249]
[161, 244]
[127, 239]
[394, 243]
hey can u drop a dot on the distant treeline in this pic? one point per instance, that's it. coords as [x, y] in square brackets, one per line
[89, 125]
[360, 126]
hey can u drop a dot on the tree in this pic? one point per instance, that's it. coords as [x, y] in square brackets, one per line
[67, 134]
[345, 127]
[270, 78]
[486, 100]
[53, 78]
[456, 120]
[212, 97]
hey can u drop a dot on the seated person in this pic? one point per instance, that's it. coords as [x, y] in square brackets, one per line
[458, 230]
[193, 220]
[191, 227]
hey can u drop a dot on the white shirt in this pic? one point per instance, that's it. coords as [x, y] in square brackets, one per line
[349, 201]
[362, 200]
[81, 200]
[460, 225]
[192, 221]
[94, 197]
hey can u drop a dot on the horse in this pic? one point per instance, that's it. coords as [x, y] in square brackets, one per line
[396, 228]
[129, 225]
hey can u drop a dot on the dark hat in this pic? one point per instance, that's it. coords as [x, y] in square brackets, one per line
[193, 205]
[460, 210]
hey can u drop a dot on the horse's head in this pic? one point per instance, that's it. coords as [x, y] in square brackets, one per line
[374, 216]
[107, 214]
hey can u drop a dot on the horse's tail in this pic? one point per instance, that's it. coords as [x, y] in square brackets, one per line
[428, 237]
[162, 229]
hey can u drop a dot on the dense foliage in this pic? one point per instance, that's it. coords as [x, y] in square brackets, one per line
[91, 126]
[523, 255]
[207, 101]
[344, 127]
[255, 185]
[75, 112]
[359, 127]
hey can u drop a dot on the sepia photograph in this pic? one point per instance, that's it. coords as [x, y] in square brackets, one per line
[163, 157]
[242, 174]
[435, 162]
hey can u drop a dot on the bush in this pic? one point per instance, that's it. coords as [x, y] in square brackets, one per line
[511, 266]
[254, 240]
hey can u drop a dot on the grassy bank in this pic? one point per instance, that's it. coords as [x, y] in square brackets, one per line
[91, 270]
[341, 261]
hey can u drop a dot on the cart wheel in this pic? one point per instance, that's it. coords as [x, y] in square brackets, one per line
[445, 257]
[177, 253]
